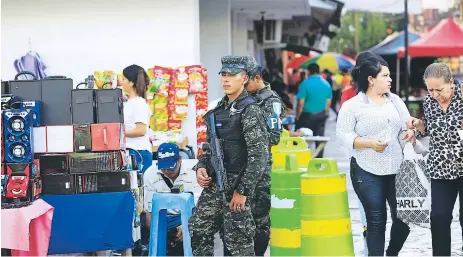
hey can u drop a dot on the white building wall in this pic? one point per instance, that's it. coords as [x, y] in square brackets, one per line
[240, 34]
[216, 40]
[77, 37]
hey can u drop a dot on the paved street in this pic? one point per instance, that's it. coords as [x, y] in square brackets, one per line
[419, 240]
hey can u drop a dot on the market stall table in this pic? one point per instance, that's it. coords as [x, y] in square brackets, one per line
[314, 139]
[91, 222]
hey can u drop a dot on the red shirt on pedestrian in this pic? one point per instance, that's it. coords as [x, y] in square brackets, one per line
[347, 94]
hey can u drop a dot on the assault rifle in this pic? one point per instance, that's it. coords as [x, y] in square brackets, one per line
[215, 153]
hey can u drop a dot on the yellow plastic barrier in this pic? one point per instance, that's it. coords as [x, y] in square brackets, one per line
[292, 145]
[325, 218]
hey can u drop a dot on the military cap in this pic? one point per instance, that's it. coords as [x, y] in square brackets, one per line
[251, 64]
[233, 64]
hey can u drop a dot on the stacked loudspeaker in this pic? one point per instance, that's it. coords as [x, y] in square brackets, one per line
[74, 137]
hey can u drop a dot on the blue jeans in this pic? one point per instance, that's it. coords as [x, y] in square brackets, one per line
[147, 160]
[374, 191]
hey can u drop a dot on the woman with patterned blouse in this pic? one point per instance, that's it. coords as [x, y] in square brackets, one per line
[371, 125]
[443, 117]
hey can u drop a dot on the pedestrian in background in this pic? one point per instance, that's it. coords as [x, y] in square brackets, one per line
[443, 118]
[314, 101]
[371, 124]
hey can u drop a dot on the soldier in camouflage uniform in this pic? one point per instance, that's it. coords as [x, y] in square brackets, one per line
[241, 127]
[273, 110]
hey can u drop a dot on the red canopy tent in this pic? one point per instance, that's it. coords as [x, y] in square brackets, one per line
[444, 40]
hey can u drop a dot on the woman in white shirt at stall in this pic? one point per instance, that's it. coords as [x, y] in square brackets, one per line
[137, 115]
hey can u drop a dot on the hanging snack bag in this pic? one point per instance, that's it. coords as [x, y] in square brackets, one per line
[181, 78]
[195, 79]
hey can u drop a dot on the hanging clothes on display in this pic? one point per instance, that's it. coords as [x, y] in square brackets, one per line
[33, 63]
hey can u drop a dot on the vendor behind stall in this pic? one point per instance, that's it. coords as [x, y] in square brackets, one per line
[137, 115]
[169, 173]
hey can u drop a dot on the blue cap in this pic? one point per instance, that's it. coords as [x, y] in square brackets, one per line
[168, 155]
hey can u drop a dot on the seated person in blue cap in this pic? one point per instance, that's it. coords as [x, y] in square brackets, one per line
[169, 173]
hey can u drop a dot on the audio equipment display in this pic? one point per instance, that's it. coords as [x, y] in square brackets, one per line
[58, 184]
[82, 138]
[56, 101]
[5, 88]
[34, 106]
[113, 181]
[8, 100]
[83, 106]
[107, 137]
[86, 183]
[60, 139]
[109, 106]
[18, 136]
[96, 162]
[27, 90]
[53, 164]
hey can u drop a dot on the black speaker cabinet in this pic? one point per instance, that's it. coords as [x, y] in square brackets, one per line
[5, 88]
[116, 181]
[58, 184]
[56, 99]
[109, 106]
[83, 106]
[26, 90]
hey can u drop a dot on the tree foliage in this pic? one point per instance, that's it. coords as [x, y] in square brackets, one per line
[372, 29]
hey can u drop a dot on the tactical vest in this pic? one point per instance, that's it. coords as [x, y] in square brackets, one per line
[230, 132]
[263, 95]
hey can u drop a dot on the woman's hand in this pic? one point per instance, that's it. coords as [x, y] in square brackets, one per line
[414, 123]
[378, 145]
[409, 136]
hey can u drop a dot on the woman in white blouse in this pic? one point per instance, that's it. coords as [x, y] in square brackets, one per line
[371, 125]
[137, 115]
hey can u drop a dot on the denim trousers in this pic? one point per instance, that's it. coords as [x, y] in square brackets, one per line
[443, 196]
[374, 191]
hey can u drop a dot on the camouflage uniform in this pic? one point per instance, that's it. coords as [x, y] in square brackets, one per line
[273, 109]
[212, 213]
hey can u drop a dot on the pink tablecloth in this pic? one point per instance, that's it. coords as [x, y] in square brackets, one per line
[26, 230]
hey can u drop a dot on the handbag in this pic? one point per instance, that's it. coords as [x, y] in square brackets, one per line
[413, 189]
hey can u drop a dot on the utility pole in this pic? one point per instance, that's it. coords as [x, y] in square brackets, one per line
[407, 60]
[356, 32]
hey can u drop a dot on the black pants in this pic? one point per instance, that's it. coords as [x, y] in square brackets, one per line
[443, 196]
[335, 100]
[374, 191]
[315, 122]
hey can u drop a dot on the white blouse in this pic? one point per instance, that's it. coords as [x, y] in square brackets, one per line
[359, 117]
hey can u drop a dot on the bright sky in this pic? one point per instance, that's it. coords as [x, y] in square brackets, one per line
[395, 6]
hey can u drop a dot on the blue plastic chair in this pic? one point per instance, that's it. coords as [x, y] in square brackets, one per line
[158, 232]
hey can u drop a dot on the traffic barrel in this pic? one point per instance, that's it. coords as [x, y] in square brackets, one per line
[292, 145]
[284, 134]
[285, 232]
[325, 218]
